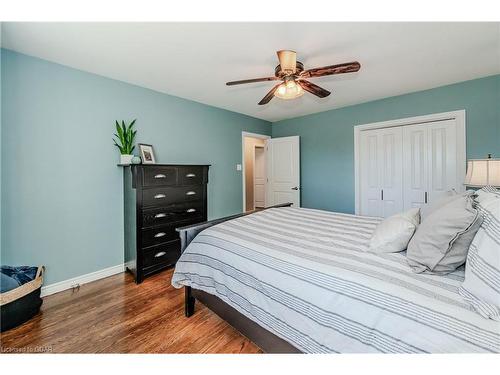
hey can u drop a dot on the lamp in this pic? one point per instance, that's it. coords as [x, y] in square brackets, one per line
[483, 172]
[289, 90]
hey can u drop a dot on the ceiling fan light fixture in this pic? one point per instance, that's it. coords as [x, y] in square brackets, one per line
[289, 90]
[294, 78]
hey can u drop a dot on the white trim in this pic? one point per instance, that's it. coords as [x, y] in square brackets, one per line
[243, 135]
[83, 279]
[458, 116]
[265, 183]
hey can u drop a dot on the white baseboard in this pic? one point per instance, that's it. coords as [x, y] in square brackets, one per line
[83, 279]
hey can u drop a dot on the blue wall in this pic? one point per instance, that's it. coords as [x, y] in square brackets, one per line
[62, 195]
[61, 191]
[327, 138]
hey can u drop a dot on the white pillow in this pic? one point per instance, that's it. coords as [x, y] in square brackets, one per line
[483, 195]
[448, 197]
[393, 234]
[481, 287]
[441, 242]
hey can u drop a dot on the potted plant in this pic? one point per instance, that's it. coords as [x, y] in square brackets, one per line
[125, 135]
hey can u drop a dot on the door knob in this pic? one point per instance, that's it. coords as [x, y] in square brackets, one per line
[295, 188]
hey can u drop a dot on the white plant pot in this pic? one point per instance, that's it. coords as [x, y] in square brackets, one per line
[126, 159]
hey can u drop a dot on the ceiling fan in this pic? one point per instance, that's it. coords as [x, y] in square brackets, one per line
[292, 75]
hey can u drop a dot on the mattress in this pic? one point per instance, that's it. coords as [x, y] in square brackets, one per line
[307, 276]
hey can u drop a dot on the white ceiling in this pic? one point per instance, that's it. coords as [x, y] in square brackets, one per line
[194, 60]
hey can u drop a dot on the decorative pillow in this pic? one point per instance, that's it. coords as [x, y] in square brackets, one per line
[449, 196]
[393, 234]
[490, 189]
[442, 240]
[481, 287]
[485, 193]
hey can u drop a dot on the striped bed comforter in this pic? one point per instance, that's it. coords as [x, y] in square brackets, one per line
[306, 276]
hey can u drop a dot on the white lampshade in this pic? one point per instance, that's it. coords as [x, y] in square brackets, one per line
[483, 172]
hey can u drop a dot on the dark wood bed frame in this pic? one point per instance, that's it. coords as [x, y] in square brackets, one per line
[267, 341]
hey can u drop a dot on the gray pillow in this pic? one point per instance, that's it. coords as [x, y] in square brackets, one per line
[449, 196]
[442, 240]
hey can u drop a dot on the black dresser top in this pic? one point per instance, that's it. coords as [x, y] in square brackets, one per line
[164, 165]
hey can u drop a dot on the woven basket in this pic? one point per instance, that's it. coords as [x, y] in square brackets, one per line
[24, 289]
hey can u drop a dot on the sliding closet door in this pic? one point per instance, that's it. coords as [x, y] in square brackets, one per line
[442, 143]
[391, 170]
[409, 166]
[381, 172]
[430, 162]
[415, 165]
[371, 191]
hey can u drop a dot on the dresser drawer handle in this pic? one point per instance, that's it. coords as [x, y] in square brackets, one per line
[160, 254]
[191, 193]
[191, 210]
[159, 216]
[160, 234]
[190, 175]
[160, 176]
[160, 196]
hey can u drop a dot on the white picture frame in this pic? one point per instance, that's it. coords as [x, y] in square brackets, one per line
[147, 153]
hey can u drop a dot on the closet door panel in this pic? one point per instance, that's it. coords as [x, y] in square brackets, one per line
[381, 172]
[391, 178]
[415, 145]
[371, 203]
[442, 139]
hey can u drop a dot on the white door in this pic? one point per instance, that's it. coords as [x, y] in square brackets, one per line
[415, 165]
[283, 170]
[259, 190]
[381, 172]
[391, 170]
[430, 162]
[442, 161]
[371, 191]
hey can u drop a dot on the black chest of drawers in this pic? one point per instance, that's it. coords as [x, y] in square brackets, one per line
[159, 198]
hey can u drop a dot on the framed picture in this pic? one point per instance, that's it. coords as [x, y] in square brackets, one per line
[147, 154]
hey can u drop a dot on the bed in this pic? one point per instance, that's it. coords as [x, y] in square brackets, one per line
[302, 280]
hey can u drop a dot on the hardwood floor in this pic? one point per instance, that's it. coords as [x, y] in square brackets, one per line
[114, 315]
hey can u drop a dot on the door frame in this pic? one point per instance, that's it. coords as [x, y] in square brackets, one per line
[255, 147]
[252, 135]
[458, 116]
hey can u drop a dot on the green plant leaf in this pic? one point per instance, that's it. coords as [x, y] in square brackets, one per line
[125, 136]
[119, 147]
[133, 137]
[120, 133]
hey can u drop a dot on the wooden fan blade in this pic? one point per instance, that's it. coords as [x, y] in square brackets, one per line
[350, 67]
[288, 61]
[251, 80]
[314, 89]
[266, 99]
